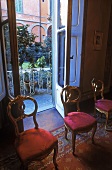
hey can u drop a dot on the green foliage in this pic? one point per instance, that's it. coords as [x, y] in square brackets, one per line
[48, 50]
[24, 37]
[29, 51]
[25, 65]
[27, 47]
[7, 44]
[41, 62]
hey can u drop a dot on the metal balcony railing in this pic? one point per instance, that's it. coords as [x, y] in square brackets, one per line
[32, 81]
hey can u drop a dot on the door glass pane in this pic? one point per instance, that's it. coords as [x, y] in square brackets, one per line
[8, 59]
[2, 82]
[62, 13]
[4, 9]
[61, 57]
[76, 42]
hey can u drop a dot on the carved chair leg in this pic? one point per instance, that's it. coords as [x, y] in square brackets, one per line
[24, 167]
[95, 112]
[93, 132]
[55, 156]
[66, 131]
[106, 123]
[73, 142]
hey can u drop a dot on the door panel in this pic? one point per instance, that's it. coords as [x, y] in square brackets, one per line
[67, 45]
[13, 46]
[59, 50]
[2, 82]
[76, 41]
[73, 59]
[61, 58]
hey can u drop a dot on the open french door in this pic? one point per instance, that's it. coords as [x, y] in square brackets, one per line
[67, 46]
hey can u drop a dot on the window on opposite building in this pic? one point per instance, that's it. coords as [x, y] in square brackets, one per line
[19, 6]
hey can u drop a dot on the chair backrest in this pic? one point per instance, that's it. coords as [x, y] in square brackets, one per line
[98, 88]
[17, 111]
[70, 97]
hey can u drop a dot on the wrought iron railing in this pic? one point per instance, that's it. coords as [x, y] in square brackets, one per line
[32, 81]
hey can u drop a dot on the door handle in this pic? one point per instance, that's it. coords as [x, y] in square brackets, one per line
[72, 57]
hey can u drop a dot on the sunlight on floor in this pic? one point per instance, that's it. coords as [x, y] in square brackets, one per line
[44, 102]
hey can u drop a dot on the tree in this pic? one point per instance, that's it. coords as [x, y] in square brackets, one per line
[28, 49]
[48, 50]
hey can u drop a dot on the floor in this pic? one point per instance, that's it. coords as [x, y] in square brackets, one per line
[44, 101]
[47, 116]
[49, 119]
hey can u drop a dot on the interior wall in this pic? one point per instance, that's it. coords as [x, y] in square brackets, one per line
[98, 16]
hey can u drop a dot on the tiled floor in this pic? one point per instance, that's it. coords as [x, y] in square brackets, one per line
[44, 101]
[47, 116]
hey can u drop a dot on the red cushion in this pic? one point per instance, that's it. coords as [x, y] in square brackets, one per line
[79, 121]
[34, 142]
[104, 104]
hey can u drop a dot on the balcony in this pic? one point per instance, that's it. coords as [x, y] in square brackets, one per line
[36, 83]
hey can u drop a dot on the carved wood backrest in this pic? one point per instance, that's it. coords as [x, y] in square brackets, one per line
[70, 97]
[98, 88]
[17, 111]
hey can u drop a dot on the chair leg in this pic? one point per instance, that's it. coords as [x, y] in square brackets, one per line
[66, 131]
[24, 167]
[73, 142]
[106, 123]
[95, 112]
[55, 156]
[93, 132]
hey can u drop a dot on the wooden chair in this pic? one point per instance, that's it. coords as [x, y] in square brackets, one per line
[102, 105]
[76, 121]
[34, 143]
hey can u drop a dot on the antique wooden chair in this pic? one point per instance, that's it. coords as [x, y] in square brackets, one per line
[34, 143]
[76, 121]
[102, 105]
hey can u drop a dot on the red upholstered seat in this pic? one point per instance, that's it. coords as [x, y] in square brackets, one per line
[78, 121]
[34, 142]
[104, 104]
[101, 105]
